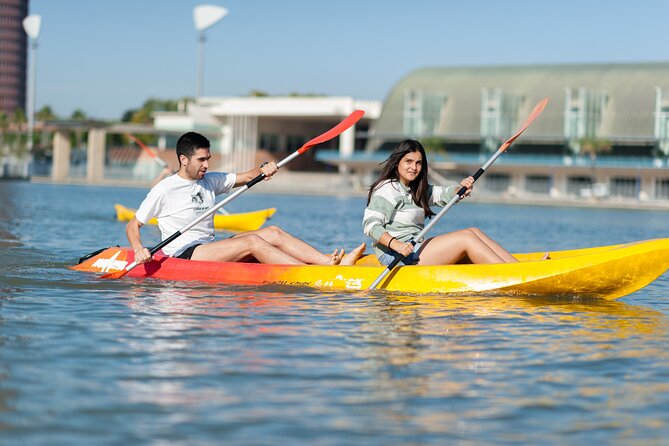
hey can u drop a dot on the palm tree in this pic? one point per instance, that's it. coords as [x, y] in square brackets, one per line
[593, 147]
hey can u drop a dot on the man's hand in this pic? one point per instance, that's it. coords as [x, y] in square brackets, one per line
[268, 168]
[143, 255]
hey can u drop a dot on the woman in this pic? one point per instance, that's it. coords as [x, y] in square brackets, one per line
[397, 205]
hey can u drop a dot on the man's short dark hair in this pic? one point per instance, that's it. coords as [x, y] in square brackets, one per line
[189, 142]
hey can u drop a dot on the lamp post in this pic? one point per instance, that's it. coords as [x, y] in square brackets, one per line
[204, 16]
[31, 25]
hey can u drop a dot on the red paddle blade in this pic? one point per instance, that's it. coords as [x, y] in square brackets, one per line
[115, 274]
[142, 145]
[334, 131]
[536, 112]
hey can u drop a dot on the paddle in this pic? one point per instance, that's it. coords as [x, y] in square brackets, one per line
[333, 132]
[151, 153]
[398, 257]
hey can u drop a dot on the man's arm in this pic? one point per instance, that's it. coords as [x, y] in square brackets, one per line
[268, 169]
[142, 254]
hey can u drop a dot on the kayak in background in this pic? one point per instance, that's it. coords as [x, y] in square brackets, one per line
[607, 272]
[240, 222]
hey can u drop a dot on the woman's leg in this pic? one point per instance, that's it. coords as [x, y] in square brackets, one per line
[503, 253]
[450, 248]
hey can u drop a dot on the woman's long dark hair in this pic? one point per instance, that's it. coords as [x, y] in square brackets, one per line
[418, 186]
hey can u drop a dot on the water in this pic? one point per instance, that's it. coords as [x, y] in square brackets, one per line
[84, 361]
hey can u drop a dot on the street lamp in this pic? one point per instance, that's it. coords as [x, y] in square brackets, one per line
[31, 25]
[204, 16]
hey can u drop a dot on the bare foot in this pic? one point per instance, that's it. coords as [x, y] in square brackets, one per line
[353, 256]
[546, 256]
[335, 257]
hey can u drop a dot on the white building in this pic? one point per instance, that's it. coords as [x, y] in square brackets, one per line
[239, 126]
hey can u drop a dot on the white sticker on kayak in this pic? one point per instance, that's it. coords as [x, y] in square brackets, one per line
[106, 265]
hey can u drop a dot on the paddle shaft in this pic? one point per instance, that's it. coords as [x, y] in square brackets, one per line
[348, 122]
[458, 196]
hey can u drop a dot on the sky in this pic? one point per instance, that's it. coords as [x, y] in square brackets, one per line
[108, 56]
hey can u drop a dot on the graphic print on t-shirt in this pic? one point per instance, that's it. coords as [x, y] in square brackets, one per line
[198, 199]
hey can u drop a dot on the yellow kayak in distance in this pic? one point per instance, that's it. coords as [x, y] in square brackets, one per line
[238, 222]
[605, 272]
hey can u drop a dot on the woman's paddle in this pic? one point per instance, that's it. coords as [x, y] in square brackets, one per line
[333, 132]
[398, 257]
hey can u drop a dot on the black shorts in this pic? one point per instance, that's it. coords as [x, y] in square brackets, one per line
[188, 253]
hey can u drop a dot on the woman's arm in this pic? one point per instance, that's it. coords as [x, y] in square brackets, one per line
[440, 195]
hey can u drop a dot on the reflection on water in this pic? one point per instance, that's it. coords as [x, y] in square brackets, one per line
[146, 361]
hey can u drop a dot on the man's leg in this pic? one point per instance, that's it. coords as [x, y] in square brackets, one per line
[290, 245]
[241, 248]
[302, 251]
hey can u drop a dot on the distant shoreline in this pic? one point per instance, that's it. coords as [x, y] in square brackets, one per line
[325, 184]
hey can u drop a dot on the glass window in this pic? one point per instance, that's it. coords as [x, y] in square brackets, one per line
[422, 112]
[496, 183]
[538, 184]
[584, 109]
[499, 116]
[662, 119]
[626, 187]
[269, 142]
[576, 185]
[662, 189]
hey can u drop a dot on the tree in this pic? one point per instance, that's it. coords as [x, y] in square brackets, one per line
[4, 126]
[45, 114]
[78, 115]
[592, 147]
[434, 145]
[143, 115]
[258, 93]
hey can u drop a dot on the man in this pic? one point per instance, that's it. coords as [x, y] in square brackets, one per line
[181, 198]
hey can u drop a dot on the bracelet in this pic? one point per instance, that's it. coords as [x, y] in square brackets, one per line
[391, 242]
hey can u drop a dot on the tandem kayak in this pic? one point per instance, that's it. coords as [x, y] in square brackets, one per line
[244, 221]
[607, 272]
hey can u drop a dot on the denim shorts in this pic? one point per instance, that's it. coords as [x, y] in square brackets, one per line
[386, 259]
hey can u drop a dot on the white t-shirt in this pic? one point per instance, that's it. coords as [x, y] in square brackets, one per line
[176, 202]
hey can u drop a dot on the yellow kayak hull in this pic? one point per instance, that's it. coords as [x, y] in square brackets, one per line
[239, 222]
[607, 272]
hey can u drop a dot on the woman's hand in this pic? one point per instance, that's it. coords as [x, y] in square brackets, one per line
[402, 248]
[469, 184]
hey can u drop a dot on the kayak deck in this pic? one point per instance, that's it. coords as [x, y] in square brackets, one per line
[607, 272]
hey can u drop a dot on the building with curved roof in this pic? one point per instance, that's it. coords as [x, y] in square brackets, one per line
[625, 104]
[604, 134]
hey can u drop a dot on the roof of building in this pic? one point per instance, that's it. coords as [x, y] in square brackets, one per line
[630, 90]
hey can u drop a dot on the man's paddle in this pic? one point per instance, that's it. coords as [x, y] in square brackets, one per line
[398, 257]
[151, 153]
[333, 132]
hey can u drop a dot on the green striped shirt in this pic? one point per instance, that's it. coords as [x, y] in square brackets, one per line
[392, 209]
